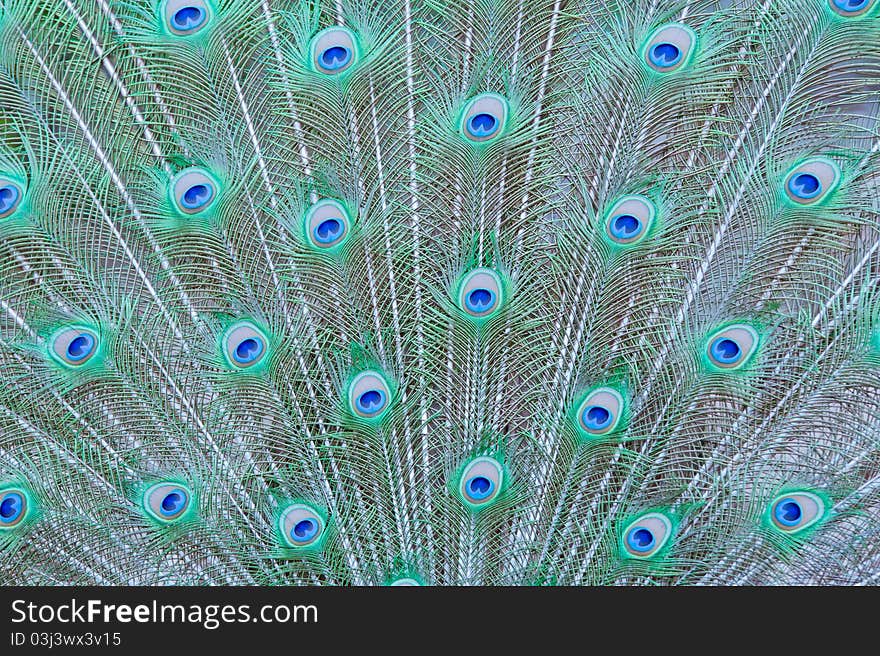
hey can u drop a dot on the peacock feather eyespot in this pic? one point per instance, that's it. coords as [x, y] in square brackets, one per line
[327, 224]
[624, 226]
[14, 507]
[601, 412]
[796, 511]
[482, 125]
[481, 482]
[851, 8]
[630, 220]
[405, 582]
[167, 501]
[732, 347]
[194, 190]
[11, 195]
[669, 48]
[804, 186]
[245, 345]
[333, 50]
[74, 346]
[480, 293]
[300, 526]
[369, 395]
[664, 54]
[812, 180]
[186, 17]
[646, 536]
[484, 117]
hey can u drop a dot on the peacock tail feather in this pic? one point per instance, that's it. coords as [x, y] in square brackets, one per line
[439, 292]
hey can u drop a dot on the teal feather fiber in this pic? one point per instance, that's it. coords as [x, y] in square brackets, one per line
[439, 292]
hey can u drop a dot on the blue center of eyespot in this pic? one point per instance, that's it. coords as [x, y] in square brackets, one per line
[248, 350]
[850, 5]
[804, 185]
[482, 125]
[480, 300]
[188, 18]
[595, 417]
[640, 539]
[305, 529]
[10, 507]
[197, 196]
[371, 401]
[8, 198]
[335, 57]
[625, 226]
[329, 230]
[173, 502]
[788, 512]
[80, 346]
[665, 55]
[725, 350]
[479, 487]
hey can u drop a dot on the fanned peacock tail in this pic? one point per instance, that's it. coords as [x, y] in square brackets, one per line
[439, 292]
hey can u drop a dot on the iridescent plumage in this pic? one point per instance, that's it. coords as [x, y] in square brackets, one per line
[439, 292]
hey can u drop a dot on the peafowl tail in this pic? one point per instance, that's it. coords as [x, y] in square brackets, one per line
[439, 292]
